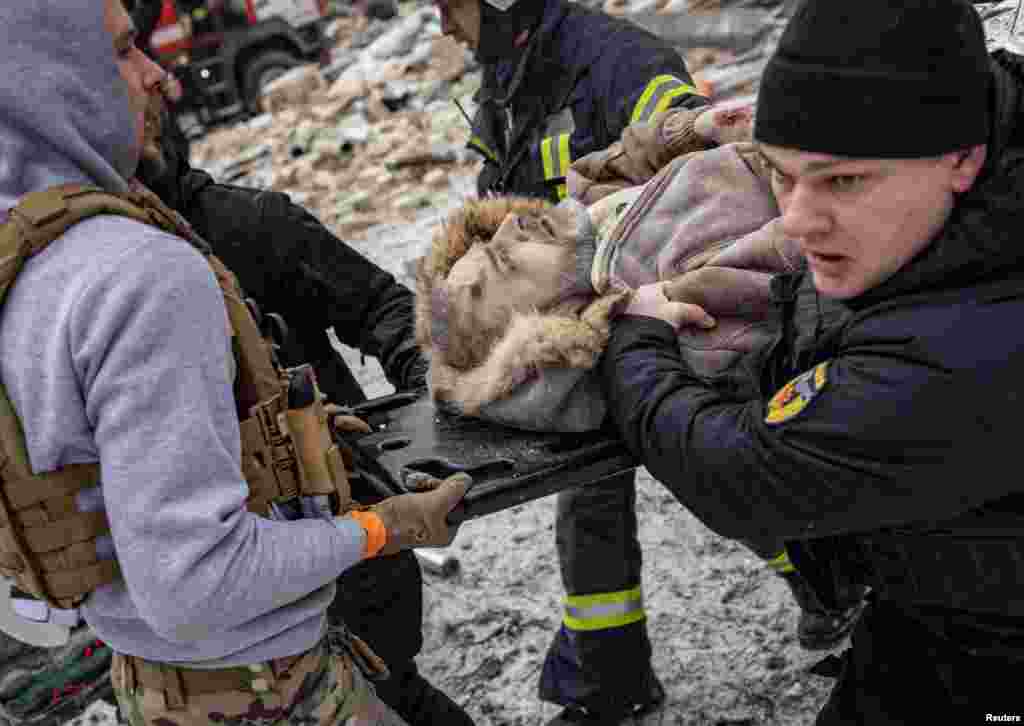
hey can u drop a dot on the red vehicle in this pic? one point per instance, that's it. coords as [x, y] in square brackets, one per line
[226, 51]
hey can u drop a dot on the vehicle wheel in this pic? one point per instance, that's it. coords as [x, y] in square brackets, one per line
[261, 70]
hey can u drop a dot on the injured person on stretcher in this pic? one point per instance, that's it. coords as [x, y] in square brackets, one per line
[515, 296]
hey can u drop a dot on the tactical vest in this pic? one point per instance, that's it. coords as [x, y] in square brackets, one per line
[47, 545]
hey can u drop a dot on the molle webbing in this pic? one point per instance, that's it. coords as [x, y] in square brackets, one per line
[257, 378]
[47, 545]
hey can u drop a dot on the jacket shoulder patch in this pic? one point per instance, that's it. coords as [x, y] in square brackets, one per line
[794, 397]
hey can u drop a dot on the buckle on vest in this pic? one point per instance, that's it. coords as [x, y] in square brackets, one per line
[283, 461]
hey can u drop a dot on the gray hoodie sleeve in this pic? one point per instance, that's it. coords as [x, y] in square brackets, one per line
[149, 340]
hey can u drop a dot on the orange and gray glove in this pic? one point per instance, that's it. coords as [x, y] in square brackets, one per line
[414, 520]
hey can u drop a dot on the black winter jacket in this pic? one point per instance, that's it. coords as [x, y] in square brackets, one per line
[895, 422]
[582, 78]
[290, 264]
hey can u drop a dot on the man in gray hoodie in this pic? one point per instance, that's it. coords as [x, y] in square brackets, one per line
[114, 354]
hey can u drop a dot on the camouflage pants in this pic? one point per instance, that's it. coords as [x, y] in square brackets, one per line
[318, 688]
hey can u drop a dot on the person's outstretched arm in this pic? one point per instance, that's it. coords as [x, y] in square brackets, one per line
[291, 264]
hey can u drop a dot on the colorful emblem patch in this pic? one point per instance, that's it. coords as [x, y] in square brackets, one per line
[793, 397]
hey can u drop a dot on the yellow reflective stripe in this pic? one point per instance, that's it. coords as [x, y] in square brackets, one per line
[563, 191]
[604, 610]
[547, 159]
[476, 143]
[555, 166]
[666, 100]
[653, 96]
[780, 563]
[563, 153]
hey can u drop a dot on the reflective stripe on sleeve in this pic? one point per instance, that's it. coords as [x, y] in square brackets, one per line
[780, 563]
[476, 143]
[554, 154]
[604, 610]
[658, 95]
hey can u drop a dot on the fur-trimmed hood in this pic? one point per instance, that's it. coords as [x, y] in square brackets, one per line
[706, 224]
[532, 371]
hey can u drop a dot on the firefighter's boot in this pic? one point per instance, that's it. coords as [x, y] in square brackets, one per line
[416, 700]
[578, 716]
[822, 628]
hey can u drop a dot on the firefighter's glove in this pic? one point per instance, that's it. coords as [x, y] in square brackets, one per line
[644, 149]
[346, 423]
[341, 423]
[418, 520]
[414, 372]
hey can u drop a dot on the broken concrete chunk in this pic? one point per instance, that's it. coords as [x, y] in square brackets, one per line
[325, 179]
[400, 39]
[354, 130]
[301, 138]
[359, 201]
[436, 177]
[260, 123]
[347, 89]
[412, 200]
[437, 154]
[294, 88]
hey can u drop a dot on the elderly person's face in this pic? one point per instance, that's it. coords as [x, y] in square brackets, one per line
[143, 77]
[528, 265]
[858, 221]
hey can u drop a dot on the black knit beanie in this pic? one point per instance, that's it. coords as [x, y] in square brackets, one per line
[877, 79]
[499, 28]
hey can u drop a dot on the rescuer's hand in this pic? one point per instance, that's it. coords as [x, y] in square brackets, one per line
[644, 149]
[341, 422]
[418, 520]
[725, 123]
[724, 291]
[650, 301]
[414, 372]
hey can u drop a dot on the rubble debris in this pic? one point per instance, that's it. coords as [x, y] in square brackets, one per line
[401, 39]
[294, 88]
[356, 140]
[438, 154]
[374, 137]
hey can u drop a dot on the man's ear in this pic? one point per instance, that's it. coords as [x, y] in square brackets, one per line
[967, 166]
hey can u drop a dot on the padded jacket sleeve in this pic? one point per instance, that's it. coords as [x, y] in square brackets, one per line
[291, 264]
[896, 429]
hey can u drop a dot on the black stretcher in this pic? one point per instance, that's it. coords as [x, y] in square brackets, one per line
[412, 437]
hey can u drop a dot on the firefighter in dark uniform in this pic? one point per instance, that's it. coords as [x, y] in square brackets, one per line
[884, 444]
[293, 266]
[567, 87]
[561, 81]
